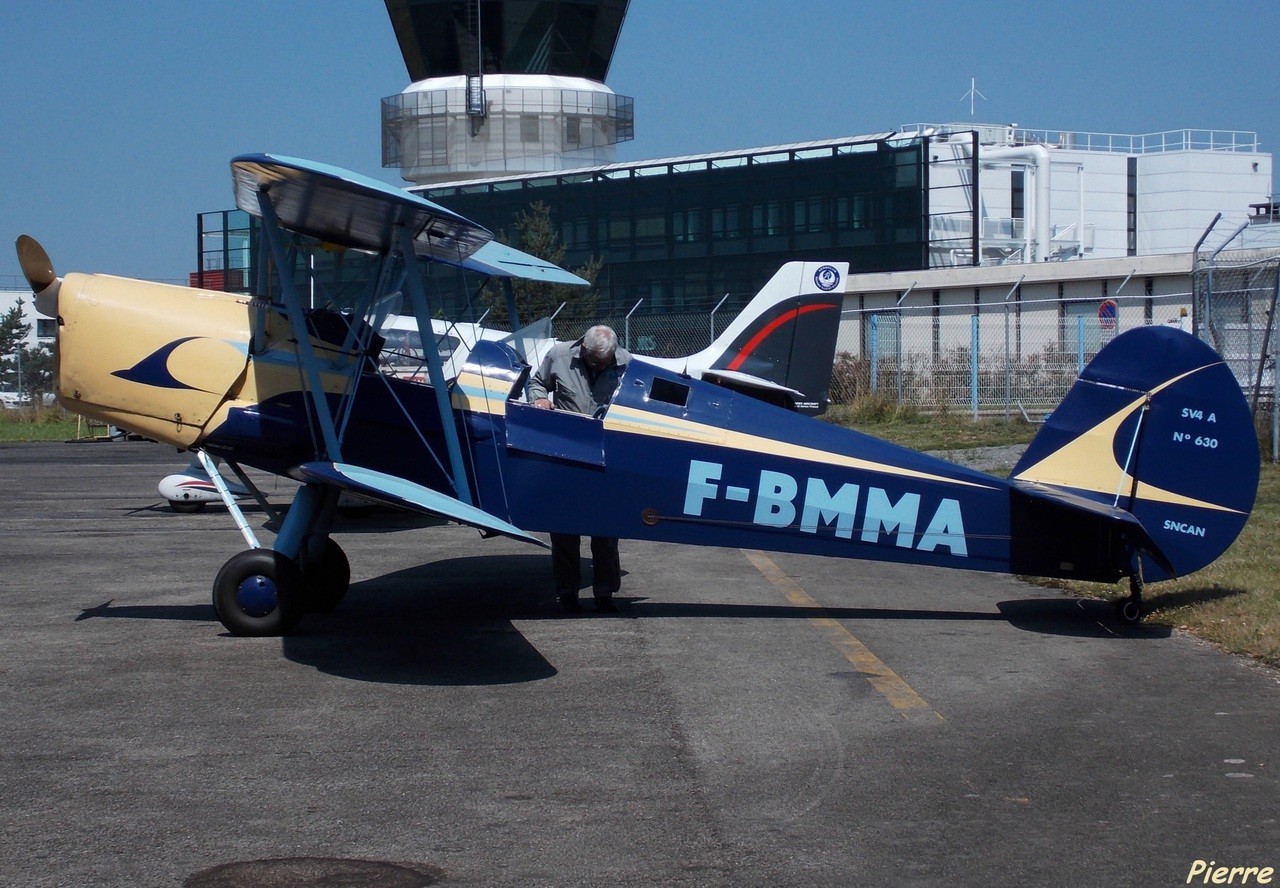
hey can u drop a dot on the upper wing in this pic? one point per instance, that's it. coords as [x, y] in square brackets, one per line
[345, 208]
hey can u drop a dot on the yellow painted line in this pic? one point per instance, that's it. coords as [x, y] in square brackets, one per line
[900, 695]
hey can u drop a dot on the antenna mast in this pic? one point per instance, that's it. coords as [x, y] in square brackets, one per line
[972, 93]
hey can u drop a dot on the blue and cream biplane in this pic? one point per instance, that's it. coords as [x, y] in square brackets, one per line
[1148, 469]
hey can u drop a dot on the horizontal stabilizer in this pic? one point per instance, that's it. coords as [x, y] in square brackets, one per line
[763, 389]
[1053, 522]
[402, 494]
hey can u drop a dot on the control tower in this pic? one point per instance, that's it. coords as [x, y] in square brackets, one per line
[504, 87]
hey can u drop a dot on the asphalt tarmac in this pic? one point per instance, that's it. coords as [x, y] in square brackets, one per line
[747, 719]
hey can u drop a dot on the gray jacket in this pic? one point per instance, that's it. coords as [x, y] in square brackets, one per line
[565, 379]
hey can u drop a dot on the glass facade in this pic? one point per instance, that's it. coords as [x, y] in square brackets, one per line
[683, 233]
[678, 235]
[227, 242]
[572, 38]
[431, 136]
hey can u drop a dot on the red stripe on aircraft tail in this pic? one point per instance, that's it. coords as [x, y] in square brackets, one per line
[769, 328]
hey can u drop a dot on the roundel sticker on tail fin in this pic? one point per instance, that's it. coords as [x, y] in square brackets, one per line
[826, 278]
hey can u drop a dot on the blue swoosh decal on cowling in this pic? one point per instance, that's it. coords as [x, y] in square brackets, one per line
[153, 370]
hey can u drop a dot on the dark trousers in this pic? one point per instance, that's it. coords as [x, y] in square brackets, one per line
[566, 564]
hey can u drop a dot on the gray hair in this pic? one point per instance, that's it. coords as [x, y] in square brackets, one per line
[600, 342]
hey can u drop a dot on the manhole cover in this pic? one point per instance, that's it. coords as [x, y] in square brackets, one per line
[315, 872]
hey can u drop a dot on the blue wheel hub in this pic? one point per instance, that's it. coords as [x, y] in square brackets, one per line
[257, 595]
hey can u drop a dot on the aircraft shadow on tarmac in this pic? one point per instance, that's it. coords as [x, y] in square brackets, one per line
[443, 623]
[1074, 618]
[450, 622]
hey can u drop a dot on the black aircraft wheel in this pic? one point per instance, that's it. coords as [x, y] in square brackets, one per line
[258, 592]
[328, 576]
[186, 507]
[1129, 610]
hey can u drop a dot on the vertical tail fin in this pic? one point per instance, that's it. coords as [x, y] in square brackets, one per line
[786, 335]
[1156, 426]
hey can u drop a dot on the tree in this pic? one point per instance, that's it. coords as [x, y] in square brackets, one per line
[536, 235]
[13, 333]
[23, 368]
[38, 371]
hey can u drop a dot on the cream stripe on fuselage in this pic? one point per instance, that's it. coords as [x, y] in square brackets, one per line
[469, 394]
[639, 422]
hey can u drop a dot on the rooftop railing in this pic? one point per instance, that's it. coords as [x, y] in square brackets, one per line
[1121, 143]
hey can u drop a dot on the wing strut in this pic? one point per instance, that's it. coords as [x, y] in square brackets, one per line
[435, 370]
[297, 319]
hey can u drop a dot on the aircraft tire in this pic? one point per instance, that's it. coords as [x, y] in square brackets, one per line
[186, 507]
[327, 577]
[257, 593]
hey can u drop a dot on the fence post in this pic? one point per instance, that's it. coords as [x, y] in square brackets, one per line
[712, 340]
[627, 324]
[898, 352]
[1272, 345]
[1079, 345]
[973, 364]
[898, 337]
[1275, 406]
[875, 353]
[1007, 387]
[1008, 392]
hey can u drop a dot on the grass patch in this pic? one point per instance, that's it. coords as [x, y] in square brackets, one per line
[926, 431]
[1234, 602]
[38, 424]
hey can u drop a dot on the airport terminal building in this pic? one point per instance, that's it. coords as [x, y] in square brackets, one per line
[508, 108]
[680, 231]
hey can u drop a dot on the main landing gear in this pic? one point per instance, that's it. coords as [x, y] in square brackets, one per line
[261, 592]
[264, 591]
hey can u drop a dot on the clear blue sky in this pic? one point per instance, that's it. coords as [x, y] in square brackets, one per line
[120, 116]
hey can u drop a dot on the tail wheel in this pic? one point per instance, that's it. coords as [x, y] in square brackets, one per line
[258, 592]
[1129, 610]
[327, 576]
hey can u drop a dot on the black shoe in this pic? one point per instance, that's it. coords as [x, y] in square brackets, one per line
[570, 604]
[606, 606]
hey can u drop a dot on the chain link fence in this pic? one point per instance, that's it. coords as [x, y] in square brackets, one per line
[1011, 358]
[672, 335]
[1014, 358]
[1235, 302]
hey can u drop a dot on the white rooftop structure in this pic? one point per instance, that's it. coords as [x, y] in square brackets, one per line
[1049, 195]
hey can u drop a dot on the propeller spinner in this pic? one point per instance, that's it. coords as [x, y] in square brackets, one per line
[40, 275]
